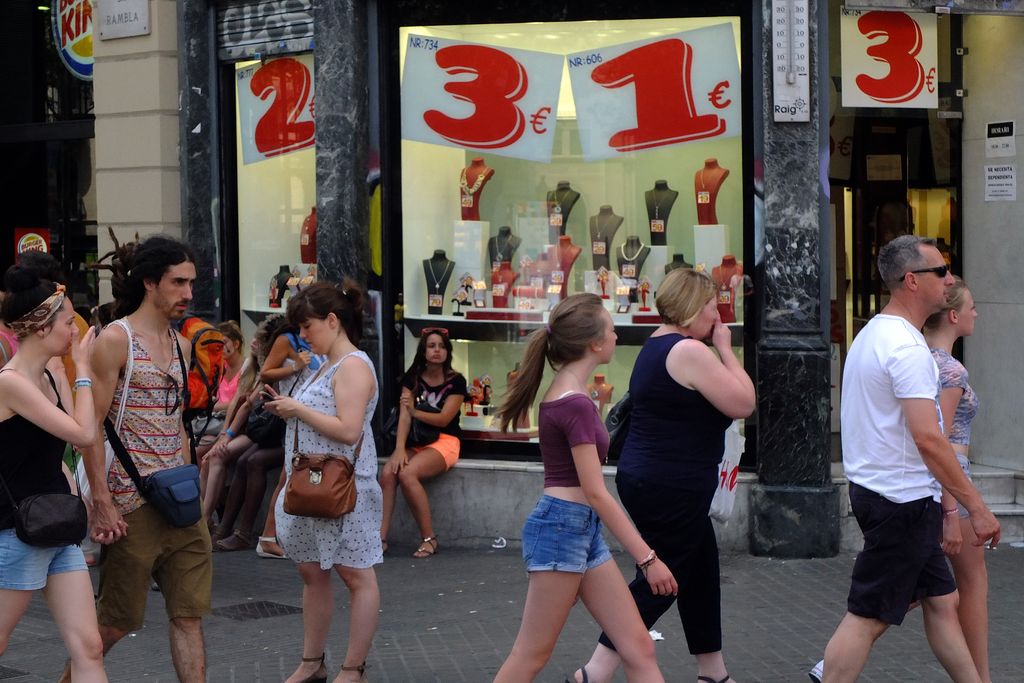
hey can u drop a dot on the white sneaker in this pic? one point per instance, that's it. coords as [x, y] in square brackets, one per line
[817, 672]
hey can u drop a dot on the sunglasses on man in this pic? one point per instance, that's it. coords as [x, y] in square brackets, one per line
[938, 270]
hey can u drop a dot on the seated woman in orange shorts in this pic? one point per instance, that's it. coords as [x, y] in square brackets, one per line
[432, 381]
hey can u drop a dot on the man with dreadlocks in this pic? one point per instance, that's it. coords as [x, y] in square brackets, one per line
[138, 363]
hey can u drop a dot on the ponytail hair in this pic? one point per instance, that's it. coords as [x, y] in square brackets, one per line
[321, 299]
[575, 323]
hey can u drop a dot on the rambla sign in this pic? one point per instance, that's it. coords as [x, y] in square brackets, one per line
[72, 36]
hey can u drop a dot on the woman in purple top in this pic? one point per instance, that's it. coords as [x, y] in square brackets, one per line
[565, 555]
[959, 404]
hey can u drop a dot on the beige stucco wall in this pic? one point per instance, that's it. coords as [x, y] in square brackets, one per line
[993, 239]
[135, 87]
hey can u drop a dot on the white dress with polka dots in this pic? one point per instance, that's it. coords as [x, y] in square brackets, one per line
[353, 540]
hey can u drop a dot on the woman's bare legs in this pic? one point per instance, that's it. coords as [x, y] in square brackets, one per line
[364, 608]
[270, 525]
[549, 598]
[69, 596]
[422, 467]
[217, 472]
[317, 610]
[389, 487]
[12, 607]
[972, 583]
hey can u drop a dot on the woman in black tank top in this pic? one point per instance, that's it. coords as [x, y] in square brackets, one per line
[34, 426]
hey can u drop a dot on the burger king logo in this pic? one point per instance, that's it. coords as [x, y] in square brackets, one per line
[72, 35]
[32, 241]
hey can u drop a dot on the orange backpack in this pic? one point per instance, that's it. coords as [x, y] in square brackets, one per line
[206, 367]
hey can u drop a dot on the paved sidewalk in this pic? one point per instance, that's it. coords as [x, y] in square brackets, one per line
[453, 618]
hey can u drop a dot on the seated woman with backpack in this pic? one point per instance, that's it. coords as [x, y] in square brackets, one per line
[432, 396]
[274, 360]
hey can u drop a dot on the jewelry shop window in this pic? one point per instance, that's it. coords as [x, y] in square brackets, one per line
[540, 160]
[276, 176]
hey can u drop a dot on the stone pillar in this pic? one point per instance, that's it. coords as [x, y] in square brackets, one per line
[342, 111]
[199, 156]
[135, 88]
[794, 506]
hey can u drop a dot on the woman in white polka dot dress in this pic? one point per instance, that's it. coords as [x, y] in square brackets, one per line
[332, 412]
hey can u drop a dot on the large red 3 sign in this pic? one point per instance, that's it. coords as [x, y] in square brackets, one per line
[275, 102]
[499, 82]
[663, 96]
[889, 59]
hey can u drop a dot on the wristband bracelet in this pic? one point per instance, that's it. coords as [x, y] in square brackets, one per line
[647, 561]
[231, 434]
[82, 382]
[951, 511]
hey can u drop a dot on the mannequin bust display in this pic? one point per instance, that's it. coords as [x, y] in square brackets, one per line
[565, 254]
[706, 184]
[600, 392]
[631, 256]
[502, 246]
[471, 186]
[279, 285]
[678, 261]
[659, 204]
[560, 203]
[603, 227]
[728, 276]
[307, 238]
[502, 279]
[438, 270]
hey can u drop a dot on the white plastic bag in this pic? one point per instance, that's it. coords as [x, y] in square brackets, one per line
[728, 472]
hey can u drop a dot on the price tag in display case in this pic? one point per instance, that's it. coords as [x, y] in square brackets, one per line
[790, 61]
[475, 96]
[889, 59]
[655, 93]
[275, 107]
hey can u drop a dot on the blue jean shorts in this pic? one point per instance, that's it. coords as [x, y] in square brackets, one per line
[965, 465]
[25, 567]
[563, 536]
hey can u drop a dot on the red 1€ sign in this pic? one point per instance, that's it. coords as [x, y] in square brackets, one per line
[889, 59]
[659, 92]
[481, 97]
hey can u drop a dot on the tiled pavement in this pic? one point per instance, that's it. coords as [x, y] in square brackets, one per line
[453, 618]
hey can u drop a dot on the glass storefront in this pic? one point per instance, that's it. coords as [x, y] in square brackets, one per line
[540, 160]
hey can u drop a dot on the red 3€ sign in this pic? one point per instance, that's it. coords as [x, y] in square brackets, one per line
[889, 59]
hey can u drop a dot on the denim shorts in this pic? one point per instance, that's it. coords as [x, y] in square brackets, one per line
[965, 465]
[25, 567]
[563, 536]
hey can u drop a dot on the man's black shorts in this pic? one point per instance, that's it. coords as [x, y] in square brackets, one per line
[902, 561]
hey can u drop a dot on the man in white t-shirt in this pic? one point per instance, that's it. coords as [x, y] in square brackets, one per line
[898, 460]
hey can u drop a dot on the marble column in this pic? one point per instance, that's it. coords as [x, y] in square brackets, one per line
[794, 506]
[199, 143]
[961, 6]
[342, 115]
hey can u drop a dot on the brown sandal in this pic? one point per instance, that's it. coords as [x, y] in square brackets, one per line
[361, 668]
[427, 548]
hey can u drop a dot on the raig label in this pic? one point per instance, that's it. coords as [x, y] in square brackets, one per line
[72, 36]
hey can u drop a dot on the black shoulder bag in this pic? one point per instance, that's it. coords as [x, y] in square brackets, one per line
[174, 492]
[617, 424]
[49, 520]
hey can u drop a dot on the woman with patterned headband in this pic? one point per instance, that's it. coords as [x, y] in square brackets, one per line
[34, 426]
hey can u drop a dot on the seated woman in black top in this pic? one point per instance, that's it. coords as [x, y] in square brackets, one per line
[34, 428]
[430, 380]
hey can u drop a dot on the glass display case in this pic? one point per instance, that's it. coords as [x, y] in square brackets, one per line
[539, 160]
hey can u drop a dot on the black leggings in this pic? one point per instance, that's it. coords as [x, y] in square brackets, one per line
[676, 525]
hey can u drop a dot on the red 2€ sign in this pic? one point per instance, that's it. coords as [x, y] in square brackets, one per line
[275, 104]
[889, 59]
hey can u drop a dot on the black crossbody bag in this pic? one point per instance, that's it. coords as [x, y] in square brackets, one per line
[49, 520]
[174, 492]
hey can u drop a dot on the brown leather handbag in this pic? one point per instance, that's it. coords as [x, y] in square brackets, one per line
[321, 485]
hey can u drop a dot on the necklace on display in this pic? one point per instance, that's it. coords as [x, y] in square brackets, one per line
[444, 275]
[601, 228]
[622, 251]
[499, 251]
[557, 201]
[657, 202]
[466, 189]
